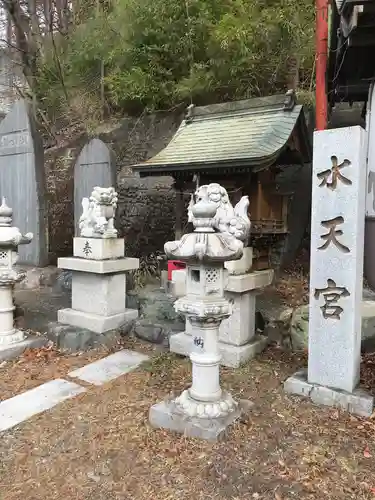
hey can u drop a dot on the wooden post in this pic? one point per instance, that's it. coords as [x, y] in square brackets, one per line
[321, 63]
[179, 210]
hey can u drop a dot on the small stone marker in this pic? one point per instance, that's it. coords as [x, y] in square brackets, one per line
[95, 166]
[337, 235]
[15, 410]
[22, 180]
[109, 368]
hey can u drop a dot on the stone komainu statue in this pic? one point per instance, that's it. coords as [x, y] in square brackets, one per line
[233, 221]
[97, 219]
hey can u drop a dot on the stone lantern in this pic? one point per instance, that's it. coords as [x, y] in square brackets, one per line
[205, 410]
[10, 238]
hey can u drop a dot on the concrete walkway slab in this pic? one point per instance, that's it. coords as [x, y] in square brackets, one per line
[14, 350]
[109, 368]
[15, 410]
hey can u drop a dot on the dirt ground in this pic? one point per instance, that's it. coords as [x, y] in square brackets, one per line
[99, 446]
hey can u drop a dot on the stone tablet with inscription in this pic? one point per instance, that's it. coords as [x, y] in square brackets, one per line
[337, 238]
[22, 180]
[95, 166]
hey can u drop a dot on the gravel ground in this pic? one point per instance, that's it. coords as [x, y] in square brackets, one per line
[99, 445]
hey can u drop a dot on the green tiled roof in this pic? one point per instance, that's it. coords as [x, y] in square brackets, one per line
[247, 133]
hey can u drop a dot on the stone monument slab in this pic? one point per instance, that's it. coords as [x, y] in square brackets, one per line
[22, 180]
[336, 271]
[337, 235]
[95, 166]
[370, 191]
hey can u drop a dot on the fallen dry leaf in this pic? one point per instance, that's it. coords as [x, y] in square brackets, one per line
[159, 464]
[366, 453]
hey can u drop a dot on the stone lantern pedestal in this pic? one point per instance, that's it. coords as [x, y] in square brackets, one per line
[205, 410]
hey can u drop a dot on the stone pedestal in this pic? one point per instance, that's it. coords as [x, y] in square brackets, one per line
[98, 248]
[98, 285]
[168, 415]
[238, 341]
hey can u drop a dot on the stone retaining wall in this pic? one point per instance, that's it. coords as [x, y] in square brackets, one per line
[146, 212]
[146, 206]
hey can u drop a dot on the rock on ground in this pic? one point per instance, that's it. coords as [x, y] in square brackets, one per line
[158, 319]
[74, 339]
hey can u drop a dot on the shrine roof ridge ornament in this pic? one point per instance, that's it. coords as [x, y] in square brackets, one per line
[244, 134]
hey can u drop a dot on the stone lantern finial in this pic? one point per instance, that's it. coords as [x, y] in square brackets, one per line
[6, 213]
[220, 229]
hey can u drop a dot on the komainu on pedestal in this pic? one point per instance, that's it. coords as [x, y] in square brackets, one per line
[98, 269]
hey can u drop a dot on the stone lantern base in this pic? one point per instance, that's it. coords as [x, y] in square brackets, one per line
[168, 415]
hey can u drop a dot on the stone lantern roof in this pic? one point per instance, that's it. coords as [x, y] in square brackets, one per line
[10, 236]
[219, 231]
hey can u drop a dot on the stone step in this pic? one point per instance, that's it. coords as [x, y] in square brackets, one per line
[109, 368]
[15, 410]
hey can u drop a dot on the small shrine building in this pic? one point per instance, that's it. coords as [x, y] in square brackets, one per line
[242, 145]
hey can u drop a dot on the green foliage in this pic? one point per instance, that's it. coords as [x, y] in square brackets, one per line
[149, 270]
[159, 53]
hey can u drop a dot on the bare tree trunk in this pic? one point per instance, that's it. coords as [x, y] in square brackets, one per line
[48, 15]
[26, 19]
[34, 27]
[292, 72]
[65, 17]
[9, 31]
[23, 39]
